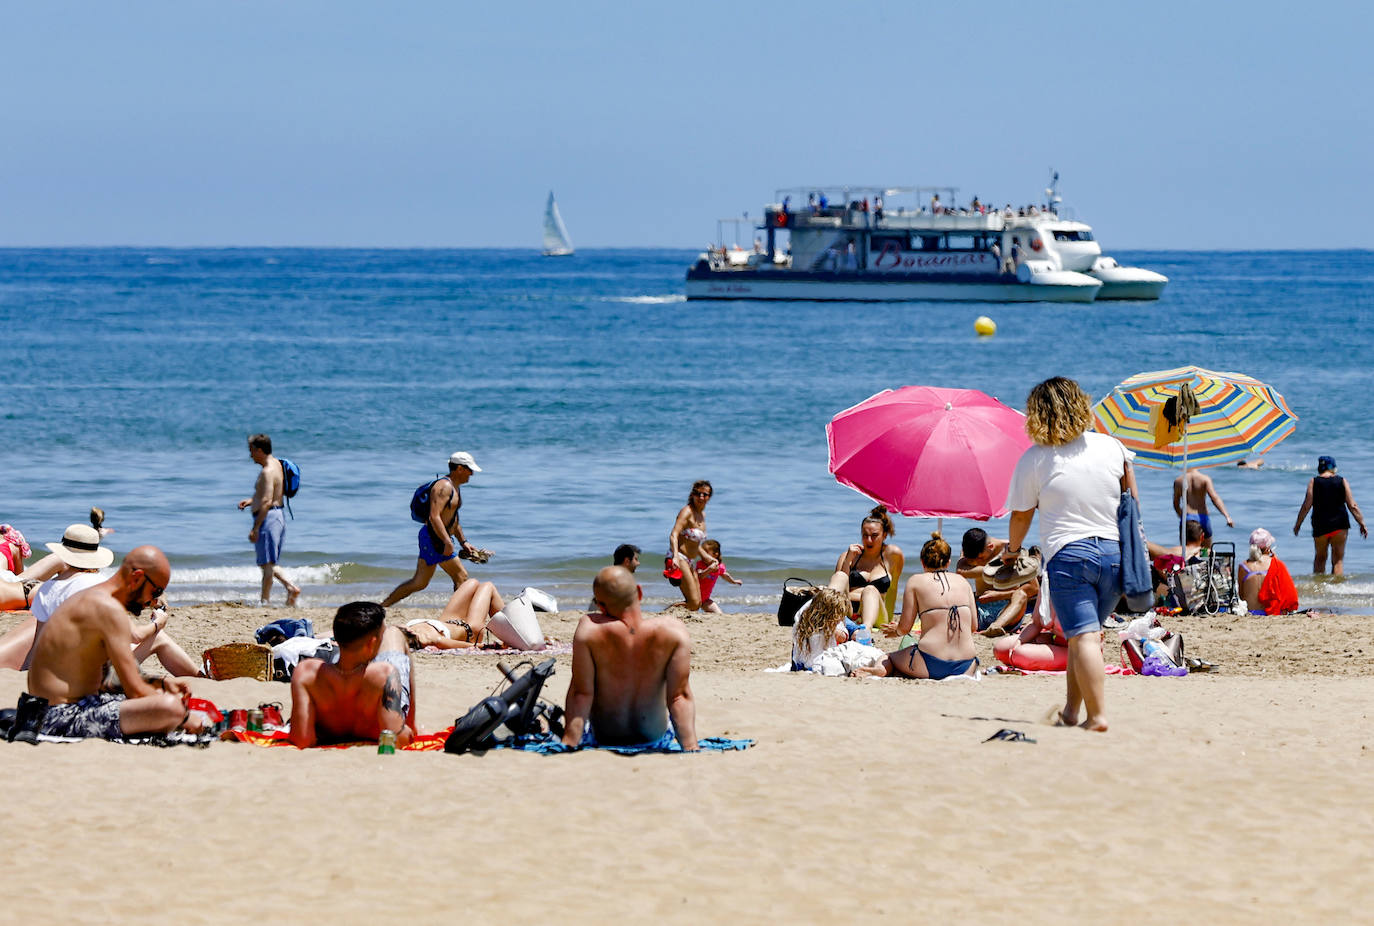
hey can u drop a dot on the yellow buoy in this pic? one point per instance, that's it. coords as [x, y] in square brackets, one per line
[985, 326]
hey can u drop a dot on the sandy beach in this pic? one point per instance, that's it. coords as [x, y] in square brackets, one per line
[1230, 797]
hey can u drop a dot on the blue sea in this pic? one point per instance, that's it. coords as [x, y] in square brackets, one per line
[591, 395]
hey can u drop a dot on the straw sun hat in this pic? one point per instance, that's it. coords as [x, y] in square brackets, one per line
[81, 549]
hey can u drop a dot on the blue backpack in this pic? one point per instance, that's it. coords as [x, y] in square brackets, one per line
[290, 483]
[419, 502]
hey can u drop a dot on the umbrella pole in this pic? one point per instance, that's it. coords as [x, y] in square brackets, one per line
[1183, 509]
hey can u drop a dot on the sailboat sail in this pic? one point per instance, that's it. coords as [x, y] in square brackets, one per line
[556, 242]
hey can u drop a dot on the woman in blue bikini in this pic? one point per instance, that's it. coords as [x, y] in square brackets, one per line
[947, 612]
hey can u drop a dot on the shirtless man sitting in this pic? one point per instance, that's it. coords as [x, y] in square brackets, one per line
[90, 629]
[371, 689]
[998, 612]
[629, 673]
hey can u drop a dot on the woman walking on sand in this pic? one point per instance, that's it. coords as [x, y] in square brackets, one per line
[684, 544]
[1075, 480]
[1328, 498]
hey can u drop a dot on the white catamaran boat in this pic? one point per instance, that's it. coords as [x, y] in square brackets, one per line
[556, 241]
[859, 247]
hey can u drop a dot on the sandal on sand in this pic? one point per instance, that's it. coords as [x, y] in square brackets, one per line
[1199, 665]
[1007, 575]
[1008, 735]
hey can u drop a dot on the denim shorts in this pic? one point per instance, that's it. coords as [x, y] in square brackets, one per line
[1085, 584]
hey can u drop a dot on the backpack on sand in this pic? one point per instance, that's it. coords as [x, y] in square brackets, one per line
[290, 483]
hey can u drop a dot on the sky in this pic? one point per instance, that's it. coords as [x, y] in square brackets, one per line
[444, 124]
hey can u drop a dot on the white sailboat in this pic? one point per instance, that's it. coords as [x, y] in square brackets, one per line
[556, 241]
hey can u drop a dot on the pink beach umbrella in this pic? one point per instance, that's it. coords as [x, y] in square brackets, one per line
[929, 452]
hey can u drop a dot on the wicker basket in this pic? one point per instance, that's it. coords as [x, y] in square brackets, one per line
[239, 660]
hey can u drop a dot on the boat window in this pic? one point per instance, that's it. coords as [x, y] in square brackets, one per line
[961, 243]
[1061, 235]
[930, 242]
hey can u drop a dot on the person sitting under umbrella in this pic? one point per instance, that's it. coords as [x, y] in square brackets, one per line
[864, 571]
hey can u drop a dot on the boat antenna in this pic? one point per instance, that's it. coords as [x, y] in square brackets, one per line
[1052, 191]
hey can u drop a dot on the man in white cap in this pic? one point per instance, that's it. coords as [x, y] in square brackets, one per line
[440, 530]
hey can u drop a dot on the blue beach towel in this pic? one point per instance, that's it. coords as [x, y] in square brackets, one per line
[548, 745]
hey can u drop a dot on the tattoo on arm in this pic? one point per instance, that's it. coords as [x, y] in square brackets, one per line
[391, 694]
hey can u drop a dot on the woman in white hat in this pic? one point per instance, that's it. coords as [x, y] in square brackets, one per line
[73, 565]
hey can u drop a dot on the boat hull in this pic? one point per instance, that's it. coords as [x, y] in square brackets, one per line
[856, 288]
[1127, 282]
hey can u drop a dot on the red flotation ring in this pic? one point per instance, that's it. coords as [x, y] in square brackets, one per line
[1036, 244]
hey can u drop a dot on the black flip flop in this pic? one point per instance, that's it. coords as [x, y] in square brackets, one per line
[1006, 734]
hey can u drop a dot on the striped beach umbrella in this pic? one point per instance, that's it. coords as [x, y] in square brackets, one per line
[1238, 416]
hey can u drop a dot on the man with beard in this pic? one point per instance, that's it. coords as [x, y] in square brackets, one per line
[90, 629]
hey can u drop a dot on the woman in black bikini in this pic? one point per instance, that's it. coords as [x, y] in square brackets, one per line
[864, 571]
[947, 612]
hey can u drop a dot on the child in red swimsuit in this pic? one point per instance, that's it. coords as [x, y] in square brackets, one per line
[711, 567]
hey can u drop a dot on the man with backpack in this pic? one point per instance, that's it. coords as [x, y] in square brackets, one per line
[436, 507]
[269, 523]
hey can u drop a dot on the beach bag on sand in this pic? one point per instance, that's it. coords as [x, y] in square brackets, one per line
[516, 626]
[793, 597]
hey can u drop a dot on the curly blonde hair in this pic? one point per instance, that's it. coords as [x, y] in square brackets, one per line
[1057, 412]
[829, 608]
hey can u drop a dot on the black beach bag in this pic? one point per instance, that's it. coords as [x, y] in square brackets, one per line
[793, 597]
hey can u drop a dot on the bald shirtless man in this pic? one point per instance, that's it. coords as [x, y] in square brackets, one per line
[90, 629]
[1199, 490]
[629, 673]
[369, 690]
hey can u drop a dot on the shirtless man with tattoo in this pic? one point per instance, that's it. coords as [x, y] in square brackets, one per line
[629, 673]
[370, 689]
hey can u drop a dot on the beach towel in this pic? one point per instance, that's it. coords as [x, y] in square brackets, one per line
[546, 744]
[1277, 593]
[429, 742]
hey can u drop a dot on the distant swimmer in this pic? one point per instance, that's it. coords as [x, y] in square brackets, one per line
[269, 524]
[1250, 464]
[1199, 490]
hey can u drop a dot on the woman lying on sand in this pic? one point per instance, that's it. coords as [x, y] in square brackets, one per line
[462, 624]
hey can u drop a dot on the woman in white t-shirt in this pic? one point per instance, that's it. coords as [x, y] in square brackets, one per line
[1074, 479]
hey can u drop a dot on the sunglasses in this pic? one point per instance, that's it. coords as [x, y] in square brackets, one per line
[157, 589]
[702, 494]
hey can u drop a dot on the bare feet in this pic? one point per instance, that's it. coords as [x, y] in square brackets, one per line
[993, 632]
[292, 594]
[1058, 717]
[877, 671]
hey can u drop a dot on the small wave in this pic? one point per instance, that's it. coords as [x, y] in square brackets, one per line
[647, 300]
[318, 574]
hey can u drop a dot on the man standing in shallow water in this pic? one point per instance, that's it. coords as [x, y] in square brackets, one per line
[269, 524]
[629, 674]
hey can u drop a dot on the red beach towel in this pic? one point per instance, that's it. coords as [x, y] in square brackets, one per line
[430, 742]
[1278, 594]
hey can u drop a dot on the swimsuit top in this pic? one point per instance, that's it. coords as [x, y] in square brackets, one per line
[694, 534]
[1245, 566]
[858, 580]
[1328, 505]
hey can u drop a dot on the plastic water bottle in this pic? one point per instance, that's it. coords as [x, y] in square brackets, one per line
[1154, 648]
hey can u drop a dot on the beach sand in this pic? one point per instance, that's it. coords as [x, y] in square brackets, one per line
[1228, 797]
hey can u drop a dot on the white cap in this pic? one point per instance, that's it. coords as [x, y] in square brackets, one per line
[463, 458]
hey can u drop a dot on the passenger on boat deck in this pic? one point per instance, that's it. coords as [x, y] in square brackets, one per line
[946, 610]
[935, 207]
[999, 612]
[863, 573]
[1016, 253]
[878, 208]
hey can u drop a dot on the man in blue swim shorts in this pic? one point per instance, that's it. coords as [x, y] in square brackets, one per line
[269, 524]
[1198, 488]
[437, 534]
[630, 675]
